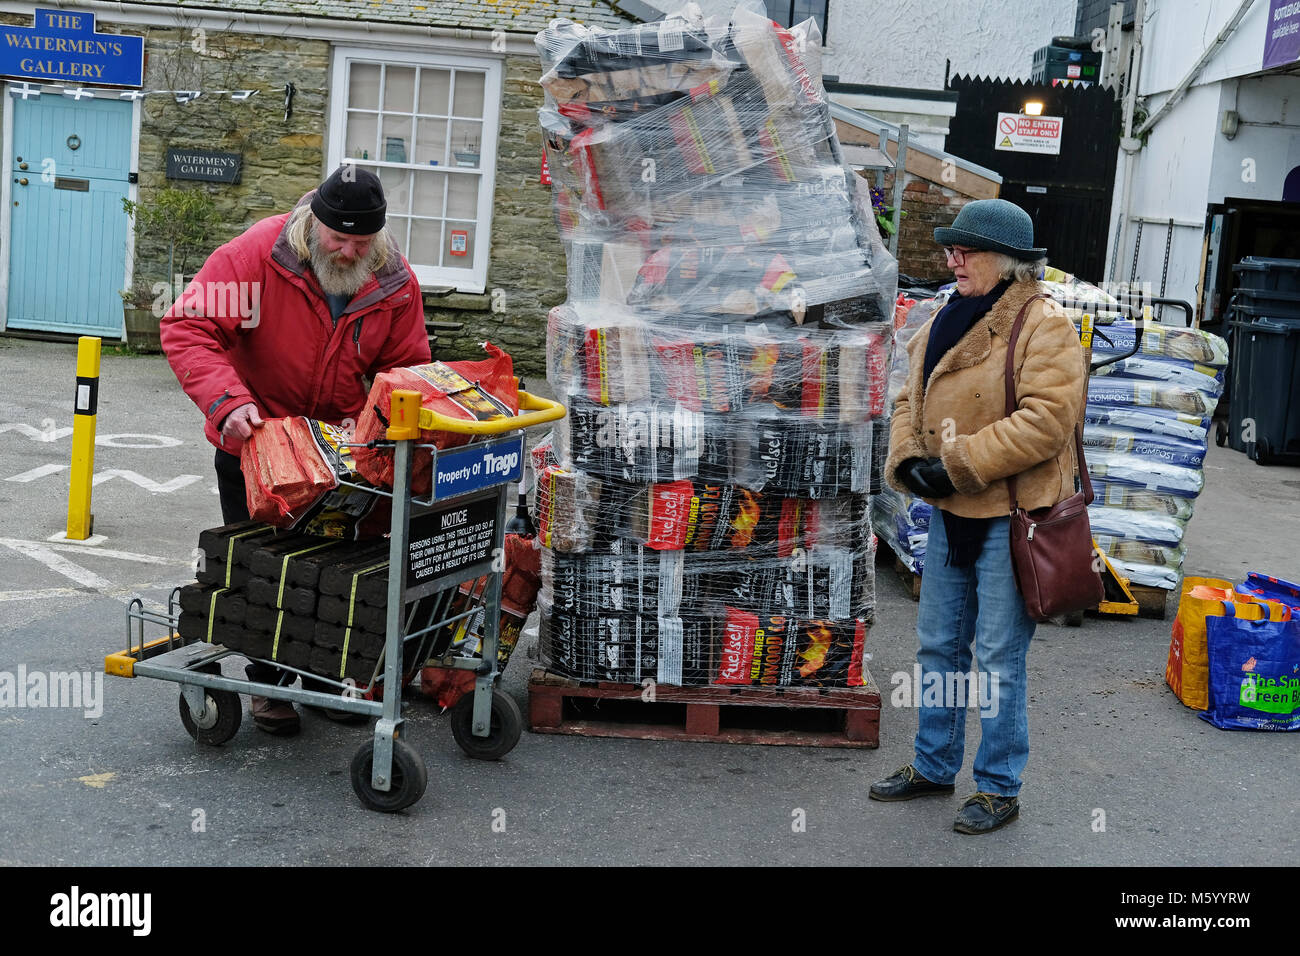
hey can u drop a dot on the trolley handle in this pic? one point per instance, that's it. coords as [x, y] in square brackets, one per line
[408, 418]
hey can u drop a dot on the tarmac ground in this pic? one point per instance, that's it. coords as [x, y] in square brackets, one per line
[1120, 772]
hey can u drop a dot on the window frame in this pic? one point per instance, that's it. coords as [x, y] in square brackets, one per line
[473, 280]
[789, 16]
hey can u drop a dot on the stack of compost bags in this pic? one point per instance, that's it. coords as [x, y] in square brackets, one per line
[1145, 433]
[703, 510]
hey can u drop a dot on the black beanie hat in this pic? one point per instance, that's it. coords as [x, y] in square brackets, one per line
[351, 201]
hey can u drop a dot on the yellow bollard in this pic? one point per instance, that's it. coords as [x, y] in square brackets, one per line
[85, 408]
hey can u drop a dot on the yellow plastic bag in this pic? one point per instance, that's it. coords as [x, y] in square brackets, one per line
[1187, 671]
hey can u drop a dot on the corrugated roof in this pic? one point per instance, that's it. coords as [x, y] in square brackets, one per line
[515, 16]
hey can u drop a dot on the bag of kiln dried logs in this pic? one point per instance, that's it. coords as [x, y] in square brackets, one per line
[289, 464]
[473, 391]
[783, 651]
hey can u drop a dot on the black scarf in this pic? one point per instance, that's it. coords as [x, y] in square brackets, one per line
[965, 535]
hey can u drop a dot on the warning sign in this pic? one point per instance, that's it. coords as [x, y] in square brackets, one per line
[1029, 134]
[442, 544]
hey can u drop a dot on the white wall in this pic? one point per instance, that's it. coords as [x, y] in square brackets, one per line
[1177, 32]
[905, 42]
[1254, 164]
[1187, 162]
[1171, 181]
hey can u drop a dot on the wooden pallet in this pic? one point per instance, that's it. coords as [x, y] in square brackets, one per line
[798, 716]
[910, 579]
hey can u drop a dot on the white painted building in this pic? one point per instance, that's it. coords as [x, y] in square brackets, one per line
[1233, 134]
[908, 42]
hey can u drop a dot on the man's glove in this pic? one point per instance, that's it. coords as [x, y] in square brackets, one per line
[926, 477]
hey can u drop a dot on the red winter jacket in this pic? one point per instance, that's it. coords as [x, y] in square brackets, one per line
[289, 358]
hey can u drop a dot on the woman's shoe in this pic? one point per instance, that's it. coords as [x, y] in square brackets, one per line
[905, 783]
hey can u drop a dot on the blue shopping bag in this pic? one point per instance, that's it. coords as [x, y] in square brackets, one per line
[1270, 588]
[1254, 672]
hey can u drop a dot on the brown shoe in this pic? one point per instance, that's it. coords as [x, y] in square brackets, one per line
[275, 717]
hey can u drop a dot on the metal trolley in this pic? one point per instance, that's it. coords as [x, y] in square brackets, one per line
[455, 535]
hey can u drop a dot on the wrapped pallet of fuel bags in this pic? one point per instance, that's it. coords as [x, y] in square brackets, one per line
[723, 351]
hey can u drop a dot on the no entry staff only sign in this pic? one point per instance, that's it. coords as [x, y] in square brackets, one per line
[1029, 134]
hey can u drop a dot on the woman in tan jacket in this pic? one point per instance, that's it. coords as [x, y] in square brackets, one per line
[952, 444]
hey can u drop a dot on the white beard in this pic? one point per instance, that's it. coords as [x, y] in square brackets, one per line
[338, 279]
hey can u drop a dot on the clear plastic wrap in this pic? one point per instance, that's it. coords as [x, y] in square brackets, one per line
[723, 353]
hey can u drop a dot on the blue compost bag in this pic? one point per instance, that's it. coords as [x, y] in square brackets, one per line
[1254, 672]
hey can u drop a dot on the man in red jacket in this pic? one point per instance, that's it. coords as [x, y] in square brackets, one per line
[291, 318]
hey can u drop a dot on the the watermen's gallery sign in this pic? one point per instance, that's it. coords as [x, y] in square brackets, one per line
[63, 46]
[205, 166]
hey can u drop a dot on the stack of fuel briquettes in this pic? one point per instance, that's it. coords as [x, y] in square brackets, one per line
[317, 604]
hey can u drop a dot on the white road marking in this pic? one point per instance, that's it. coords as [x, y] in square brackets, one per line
[148, 484]
[36, 434]
[39, 594]
[40, 471]
[44, 552]
[93, 540]
[46, 556]
[108, 474]
[154, 441]
[109, 553]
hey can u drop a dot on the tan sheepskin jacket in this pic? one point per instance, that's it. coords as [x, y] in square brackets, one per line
[961, 417]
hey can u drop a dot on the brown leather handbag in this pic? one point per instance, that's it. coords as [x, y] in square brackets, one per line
[1052, 552]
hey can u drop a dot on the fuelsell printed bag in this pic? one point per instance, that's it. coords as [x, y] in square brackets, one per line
[474, 391]
[783, 651]
[1254, 672]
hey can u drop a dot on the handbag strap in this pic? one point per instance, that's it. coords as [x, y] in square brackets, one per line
[1081, 461]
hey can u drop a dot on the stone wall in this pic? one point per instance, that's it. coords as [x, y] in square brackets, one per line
[281, 160]
[526, 272]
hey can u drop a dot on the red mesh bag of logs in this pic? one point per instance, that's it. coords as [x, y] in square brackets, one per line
[474, 391]
[285, 470]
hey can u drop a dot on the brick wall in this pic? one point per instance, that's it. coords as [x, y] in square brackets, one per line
[928, 205]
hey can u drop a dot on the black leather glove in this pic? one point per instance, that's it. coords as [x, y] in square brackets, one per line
[936, 476]
[909, 473]
[926, 477]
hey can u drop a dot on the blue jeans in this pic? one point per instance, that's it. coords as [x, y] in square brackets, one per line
[958, 604]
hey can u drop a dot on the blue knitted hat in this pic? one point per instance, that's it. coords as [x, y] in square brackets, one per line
[993, 224]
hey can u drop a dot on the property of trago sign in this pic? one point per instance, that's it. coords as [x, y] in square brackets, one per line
[62, 45]
[1028, 134]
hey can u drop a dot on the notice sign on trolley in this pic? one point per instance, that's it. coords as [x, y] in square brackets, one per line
[444, 545]
[1029, 134]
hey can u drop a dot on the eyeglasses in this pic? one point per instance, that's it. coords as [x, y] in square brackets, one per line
[958, 256]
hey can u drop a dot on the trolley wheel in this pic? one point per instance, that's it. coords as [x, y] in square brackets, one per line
[1074, 619]
[409, 778]
[503, 731]
[1221, 434]
[1263, 454]
[220, 719]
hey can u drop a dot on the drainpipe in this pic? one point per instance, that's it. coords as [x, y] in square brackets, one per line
[1128, 143]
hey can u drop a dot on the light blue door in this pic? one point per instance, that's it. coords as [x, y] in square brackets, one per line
[67, 228]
